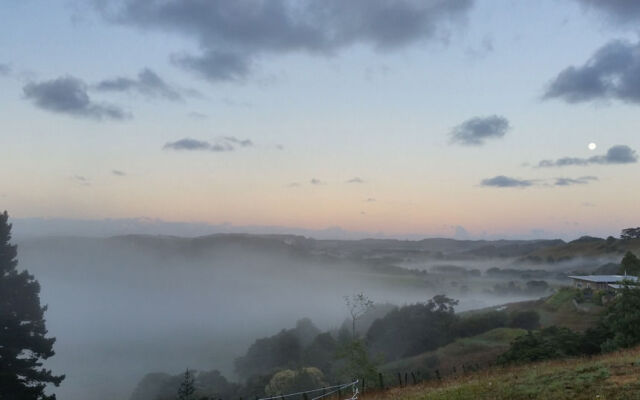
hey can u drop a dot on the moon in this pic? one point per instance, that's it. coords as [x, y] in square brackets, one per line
[592, 146]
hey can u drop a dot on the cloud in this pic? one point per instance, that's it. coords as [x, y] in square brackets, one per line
[315, 181]
[618, 10]
[68, 95]
[197, 115]
[502, 181]
[370, 200]
[355, 180]
[577, 181]
[5, 69]
[233, 34]
[81, 180]
[239, 142]
[293, 185]
[612, 72]
[474, 131]
[224, 144]
[187, 144]
[117, 172]
[147, 83]
[216, 65]
[619, 154]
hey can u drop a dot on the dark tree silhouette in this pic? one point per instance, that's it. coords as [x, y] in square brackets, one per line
[630, 233]
[23, 341]
[187, 387]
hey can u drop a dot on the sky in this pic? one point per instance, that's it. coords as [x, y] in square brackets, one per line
[457, 118]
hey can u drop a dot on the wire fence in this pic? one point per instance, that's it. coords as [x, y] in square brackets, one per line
[325, 392]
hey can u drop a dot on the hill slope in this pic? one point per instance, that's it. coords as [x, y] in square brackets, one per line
[611, 376]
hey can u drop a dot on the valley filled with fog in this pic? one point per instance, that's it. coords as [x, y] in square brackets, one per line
[126, 306]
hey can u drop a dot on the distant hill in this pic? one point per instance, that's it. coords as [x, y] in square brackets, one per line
[586, 247]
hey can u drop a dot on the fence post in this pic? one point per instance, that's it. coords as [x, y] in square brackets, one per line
[362, 385]
[304, 395]
[381, 380]
[438, 375]
[413, 376]
[400, 379]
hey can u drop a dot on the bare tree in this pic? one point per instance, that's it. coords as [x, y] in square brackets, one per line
[358, 305]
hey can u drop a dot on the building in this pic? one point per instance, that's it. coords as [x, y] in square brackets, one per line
[601, 282]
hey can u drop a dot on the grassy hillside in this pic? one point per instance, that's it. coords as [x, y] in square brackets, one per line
[556, 310]
[611, 376]
[483, 349]
[476, 350]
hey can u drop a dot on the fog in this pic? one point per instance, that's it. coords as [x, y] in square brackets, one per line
[126, 306]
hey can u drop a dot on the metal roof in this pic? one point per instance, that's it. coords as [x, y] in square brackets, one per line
[605, 278]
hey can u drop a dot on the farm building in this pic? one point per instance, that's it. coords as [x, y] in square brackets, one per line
[601, 282]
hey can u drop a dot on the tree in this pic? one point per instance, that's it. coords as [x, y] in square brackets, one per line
[630, 264]
[623, 319]
[187, 387]
[358, 305]
[23, 341]
[630, 233]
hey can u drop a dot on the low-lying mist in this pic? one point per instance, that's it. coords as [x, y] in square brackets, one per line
[126, 306]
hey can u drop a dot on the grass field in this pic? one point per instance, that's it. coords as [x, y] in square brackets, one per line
[476, 350]
[612, 376]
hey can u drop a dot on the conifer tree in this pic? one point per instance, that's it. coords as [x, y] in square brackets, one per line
[23, 341]
[187, 387]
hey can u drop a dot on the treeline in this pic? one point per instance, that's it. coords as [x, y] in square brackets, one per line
[305, 357]
[619, 328]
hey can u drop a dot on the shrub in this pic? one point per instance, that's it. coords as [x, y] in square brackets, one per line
[524, 319]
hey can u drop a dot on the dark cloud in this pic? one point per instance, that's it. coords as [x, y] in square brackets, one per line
[227, 143]
[619, 154]
[613, 72]
[147, 83]
[231, 34]
[577, 181]
[505, 181]
[68, 95]
[617, 10]
[474, 131]
[355, 180]
[239, 142]
[216, 65]
[117, 172]
[187, 144]
[315, 181]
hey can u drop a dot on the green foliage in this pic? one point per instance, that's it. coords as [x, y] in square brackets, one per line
[187, 389]
[414, 329]
[476, 324]
[524, 320]
[355, 362]
[23, 341]
[321, 352]
[623, 320]
[283, 350]
[562, 296]
[545, 344]
[630, 233]
[630, 264]
[290, 381]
